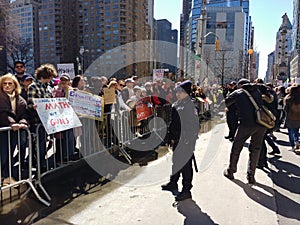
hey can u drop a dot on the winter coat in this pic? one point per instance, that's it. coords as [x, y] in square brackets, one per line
[245, 109]
[7, 115]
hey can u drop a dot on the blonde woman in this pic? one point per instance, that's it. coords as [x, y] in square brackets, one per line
[12, 114]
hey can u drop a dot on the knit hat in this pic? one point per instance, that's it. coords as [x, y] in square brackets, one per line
[186, 86]
[243, 81]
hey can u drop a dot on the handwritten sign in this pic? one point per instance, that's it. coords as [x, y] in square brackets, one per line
[56, 114]
[143, 109]
[158, 74]
[66, 68]
[109, 96]
[86, 104]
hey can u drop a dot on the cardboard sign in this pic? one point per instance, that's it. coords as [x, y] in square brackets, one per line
[56, 114]
[86, 104]
[158, 74]
[66, 68]
[109, 96]
[144, 109]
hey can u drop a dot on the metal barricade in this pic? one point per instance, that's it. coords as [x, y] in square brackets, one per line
[16, 146]
[113, 134]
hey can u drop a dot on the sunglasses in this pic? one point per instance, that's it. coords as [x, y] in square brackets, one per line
[19, 67]
[122, 85]
[8, 83]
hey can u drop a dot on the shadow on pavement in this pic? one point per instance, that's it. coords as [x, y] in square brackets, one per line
[62, 185]
[286, 175]
[285, 206]
[282, 143]
[193, 214]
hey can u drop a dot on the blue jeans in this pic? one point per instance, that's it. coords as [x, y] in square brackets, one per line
[293, 135]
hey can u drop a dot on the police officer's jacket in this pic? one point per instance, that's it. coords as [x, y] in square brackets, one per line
[184, 124]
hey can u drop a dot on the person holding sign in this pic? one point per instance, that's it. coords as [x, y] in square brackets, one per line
[65, 139]
[40, 88]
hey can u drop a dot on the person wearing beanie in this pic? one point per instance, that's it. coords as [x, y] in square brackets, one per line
[182, 133]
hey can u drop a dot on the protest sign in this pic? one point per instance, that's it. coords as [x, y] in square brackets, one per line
[66, 68]
[158, 74]
[144, 109]
[56, 114]
[109, 96]
[86, 104]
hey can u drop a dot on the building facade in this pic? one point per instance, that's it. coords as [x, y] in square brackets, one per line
[22, 36]
[283, 50]
[165, 33]
[227, 24]
[203, 20]
[295, 62]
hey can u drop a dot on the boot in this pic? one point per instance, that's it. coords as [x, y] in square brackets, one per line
[170, 186]
[183, 196]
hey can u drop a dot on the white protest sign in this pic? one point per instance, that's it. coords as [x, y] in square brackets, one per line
[66, 68]
[158, 74]
[86, 104]
[56, 114]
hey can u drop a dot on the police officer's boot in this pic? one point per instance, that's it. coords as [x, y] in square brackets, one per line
[170, 186]
[183, 196]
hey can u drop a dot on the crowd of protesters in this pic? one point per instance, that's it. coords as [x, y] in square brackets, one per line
[18, 111]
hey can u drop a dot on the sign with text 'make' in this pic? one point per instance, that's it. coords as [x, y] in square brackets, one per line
[56, 114]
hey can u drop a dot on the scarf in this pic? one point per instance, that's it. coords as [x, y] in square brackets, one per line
[13, 101]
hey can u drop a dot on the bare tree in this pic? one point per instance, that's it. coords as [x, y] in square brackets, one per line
[17, 47]
[223, 57]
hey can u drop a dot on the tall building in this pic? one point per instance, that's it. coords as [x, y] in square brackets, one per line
[283, 49]
[58, 30]
[4, 5]
[80, 31]
[228, 25]
[270, 71]
[200, 15]
[184, 18]
[22, 33]
[198, 9]
[295, 62]
[165, 33]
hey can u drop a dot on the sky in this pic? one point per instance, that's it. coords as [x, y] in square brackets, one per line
[266, 18]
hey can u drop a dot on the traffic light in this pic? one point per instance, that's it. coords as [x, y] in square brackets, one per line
[217, 45]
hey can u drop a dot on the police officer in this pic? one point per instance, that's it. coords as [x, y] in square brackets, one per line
[183, 133]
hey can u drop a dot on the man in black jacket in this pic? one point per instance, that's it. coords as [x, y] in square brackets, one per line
[247, 128]
[183, 133]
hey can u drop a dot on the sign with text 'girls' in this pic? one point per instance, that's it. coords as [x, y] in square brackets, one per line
[56, 114]
[86, 104]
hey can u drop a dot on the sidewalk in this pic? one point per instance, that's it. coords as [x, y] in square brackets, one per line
[216, 200]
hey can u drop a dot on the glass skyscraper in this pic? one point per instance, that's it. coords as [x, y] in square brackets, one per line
[197, 8]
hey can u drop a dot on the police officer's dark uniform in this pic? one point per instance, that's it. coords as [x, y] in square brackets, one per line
[183, 133]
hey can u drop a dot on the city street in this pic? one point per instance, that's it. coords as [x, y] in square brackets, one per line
[273, 200]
